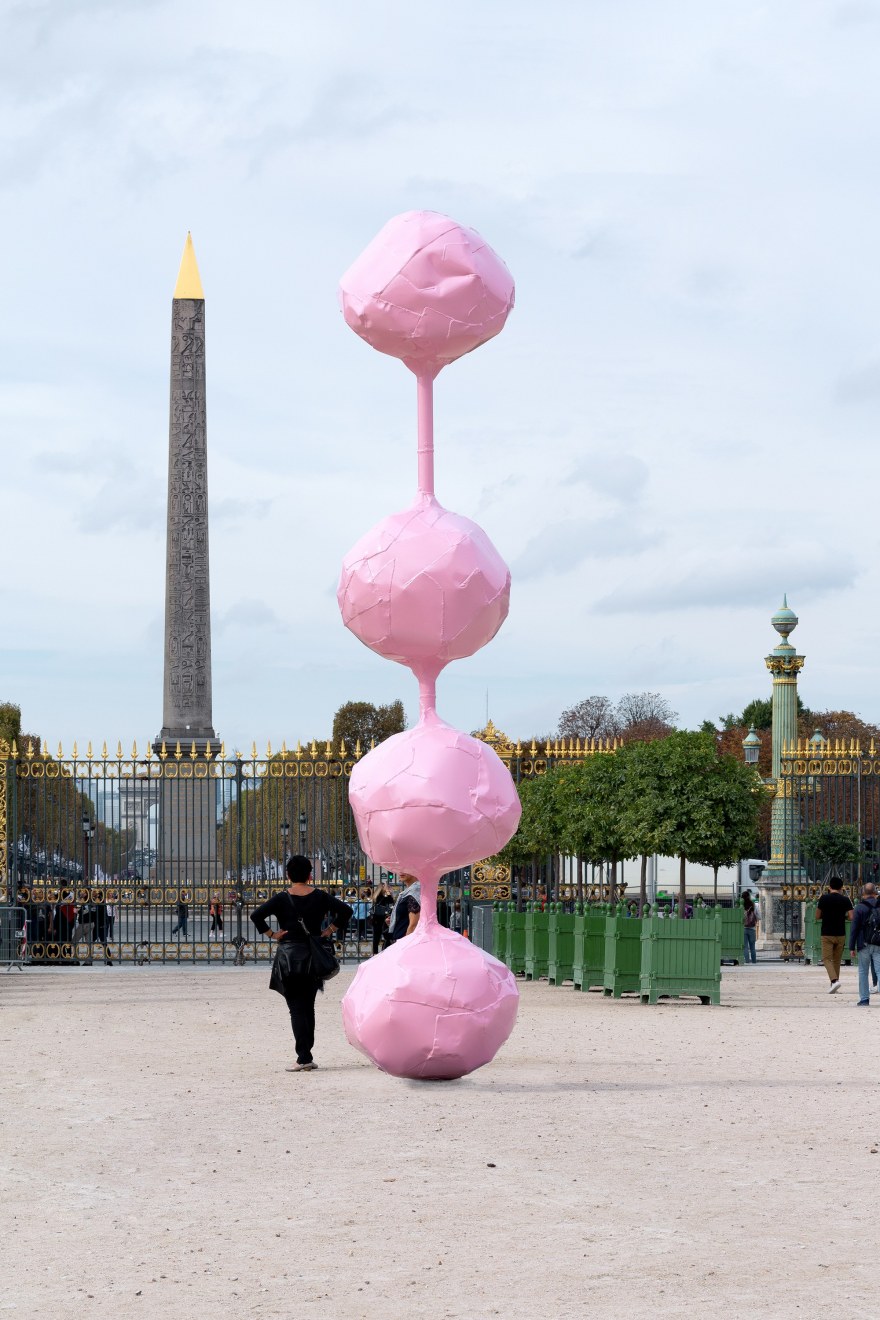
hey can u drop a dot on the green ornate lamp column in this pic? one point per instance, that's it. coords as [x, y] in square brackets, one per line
[785, 854]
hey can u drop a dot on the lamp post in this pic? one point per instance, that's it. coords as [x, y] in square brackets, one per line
[303, 830]
[752, 746]
[285, 831]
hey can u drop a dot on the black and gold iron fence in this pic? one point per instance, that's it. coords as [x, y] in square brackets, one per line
[158, 854]
[828, 781]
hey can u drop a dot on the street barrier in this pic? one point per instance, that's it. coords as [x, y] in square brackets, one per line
[13, 937]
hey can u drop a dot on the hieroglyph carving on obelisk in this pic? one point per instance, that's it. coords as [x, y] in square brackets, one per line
[188, 807]
[187, 711]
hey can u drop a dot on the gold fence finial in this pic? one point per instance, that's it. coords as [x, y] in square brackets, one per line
[299, 751]
[253, 751]
[372, 743]
[89, 753]
[342, 749]
[284, 751]
[328, 753]
[163, 752]
[149, 752]
[208, 752]
[268, 750]
[75, 753]
[178, 754]
[313, 751]
[104, 750]
[30, 750]
[134, 749]
[193, 751]
[871, 750]
[119, 750]
[223, 751]
[60, 752]
[357, 749]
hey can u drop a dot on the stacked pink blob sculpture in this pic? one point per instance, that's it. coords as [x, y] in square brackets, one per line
[424, 587]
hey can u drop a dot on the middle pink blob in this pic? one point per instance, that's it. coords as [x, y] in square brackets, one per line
[424, 586]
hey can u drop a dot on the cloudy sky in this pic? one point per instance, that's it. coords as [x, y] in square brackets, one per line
[677, 425]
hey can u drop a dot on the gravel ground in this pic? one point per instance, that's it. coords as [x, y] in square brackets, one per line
[615, 1160]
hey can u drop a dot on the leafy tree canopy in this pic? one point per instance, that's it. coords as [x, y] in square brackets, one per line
[637, 716]
[10, 721]
[361, 720]
[758, 712]
[831, 845]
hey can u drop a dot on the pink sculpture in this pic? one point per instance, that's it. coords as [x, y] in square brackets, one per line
[424, 587]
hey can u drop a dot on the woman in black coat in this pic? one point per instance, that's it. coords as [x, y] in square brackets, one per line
[301, 906]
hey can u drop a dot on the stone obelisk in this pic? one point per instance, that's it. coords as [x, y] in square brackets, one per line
[188, 806]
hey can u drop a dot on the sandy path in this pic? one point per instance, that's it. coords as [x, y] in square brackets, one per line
[616, 1160]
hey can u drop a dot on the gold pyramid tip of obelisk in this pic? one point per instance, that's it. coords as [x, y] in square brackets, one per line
[189, 283]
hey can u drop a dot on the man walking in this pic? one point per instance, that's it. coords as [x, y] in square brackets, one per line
[865, 937]
[835, 910]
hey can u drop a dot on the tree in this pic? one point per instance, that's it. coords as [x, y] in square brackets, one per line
[591, 718]
[734, 793]
[10, 722]
[637, 717]
[831, 845]
[758, 712]
[685, 808]
[362, 721]
[643, 716]
[591, 799]
[842, 724]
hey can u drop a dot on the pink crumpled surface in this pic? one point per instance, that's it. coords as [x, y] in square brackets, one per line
[424, 585]
[432, 799]
[432, 1006]
[426, 290]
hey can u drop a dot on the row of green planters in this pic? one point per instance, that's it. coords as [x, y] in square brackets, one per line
[601, 946]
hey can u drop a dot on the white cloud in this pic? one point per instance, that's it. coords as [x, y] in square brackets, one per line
[681, 194]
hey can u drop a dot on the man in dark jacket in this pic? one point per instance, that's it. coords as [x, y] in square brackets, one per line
[864, 937]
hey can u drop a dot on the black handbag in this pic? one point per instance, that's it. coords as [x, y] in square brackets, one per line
[324, 964]
[290, 960]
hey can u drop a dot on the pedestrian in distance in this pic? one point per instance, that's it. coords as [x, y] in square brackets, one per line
[182, 919]
[405, 915]
[750, 928]
[864, 938]
[302, 912]
[383, 903]
[834, 909]
[215, 911]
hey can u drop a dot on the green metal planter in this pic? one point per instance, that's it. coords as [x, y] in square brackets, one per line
[623, 954]
[516, 941]
[537, 942]
[681, 957]
[560, 945]
[588, 946]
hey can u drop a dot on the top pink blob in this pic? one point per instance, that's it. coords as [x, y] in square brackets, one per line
[426, 290]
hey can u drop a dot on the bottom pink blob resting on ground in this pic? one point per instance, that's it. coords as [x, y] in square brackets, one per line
[433, 1006]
